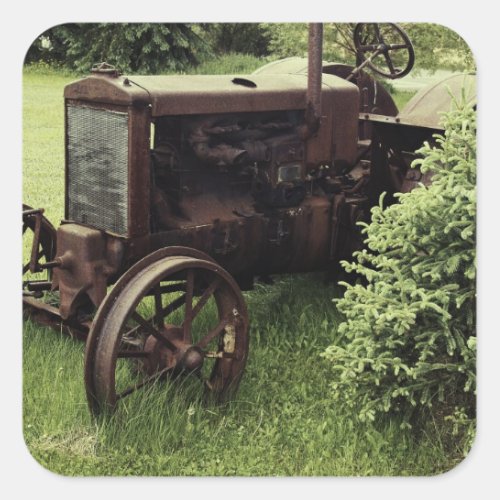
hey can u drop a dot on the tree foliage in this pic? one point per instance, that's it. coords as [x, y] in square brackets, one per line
[157, 47]
[291, 39]
[439, 47]
[133, 48]
[242, 38]
[410, 327]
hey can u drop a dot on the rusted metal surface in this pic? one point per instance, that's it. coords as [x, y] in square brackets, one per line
[40, 236]
[205, 94]
[392, 150]
[99, 88]
[47, 315]
[414, 177]
[286, 240]
[373, 96]
[139, 180]
[220, 186]
[43, 240]
[122, 330]
[195, 94]
[313, 110]
[88, 258]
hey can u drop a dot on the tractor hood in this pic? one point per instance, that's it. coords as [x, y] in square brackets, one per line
[204, 94]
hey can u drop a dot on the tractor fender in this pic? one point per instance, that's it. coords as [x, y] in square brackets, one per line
[426, 107]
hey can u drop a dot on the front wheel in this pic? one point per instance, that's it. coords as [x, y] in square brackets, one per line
[176, 317]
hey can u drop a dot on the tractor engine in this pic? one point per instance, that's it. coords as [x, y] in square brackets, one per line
[262, 151]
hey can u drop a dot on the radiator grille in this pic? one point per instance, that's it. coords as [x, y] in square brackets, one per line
[98, 168]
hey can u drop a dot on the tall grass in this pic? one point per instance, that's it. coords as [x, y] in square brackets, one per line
[281, 422]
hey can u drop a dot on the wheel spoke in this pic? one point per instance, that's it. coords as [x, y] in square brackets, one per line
[151, 330]
[367, 48]
[388, 60]
[133, 354]
[27, 266]
[188, 311]
[173, 306]
[174, 287]
[208, 292]
[397, 46]
[211, 335]
[158, 305]
[145, 382]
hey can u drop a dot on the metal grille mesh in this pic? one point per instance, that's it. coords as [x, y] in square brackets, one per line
[98, 168]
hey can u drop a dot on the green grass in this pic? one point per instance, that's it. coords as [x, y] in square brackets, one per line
[282, 422]
[401, 97]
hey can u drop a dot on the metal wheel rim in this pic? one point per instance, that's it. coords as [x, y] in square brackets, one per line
[100, 364]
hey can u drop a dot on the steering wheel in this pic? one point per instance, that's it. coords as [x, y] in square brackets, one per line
[384, 46]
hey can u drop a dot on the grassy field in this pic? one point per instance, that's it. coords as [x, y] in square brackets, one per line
[282, 421]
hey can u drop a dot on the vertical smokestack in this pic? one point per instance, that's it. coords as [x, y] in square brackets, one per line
[314, 73]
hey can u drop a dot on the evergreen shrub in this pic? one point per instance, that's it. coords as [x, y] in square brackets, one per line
[409, 328]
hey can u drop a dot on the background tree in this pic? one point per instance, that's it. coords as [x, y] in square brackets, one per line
[243, 38]
[51, 46]
[439, 47]
[291, 39]
[133, 48]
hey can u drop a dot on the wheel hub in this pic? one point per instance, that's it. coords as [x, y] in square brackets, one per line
[185, 357]
[383, 48]
[192, 359]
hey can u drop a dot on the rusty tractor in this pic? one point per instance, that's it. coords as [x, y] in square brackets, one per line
[181, 190]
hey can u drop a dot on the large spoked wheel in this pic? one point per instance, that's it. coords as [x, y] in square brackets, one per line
[385, 48]
[167, 318]
[39, 247]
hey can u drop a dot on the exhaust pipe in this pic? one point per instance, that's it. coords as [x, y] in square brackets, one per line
[314, 74]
